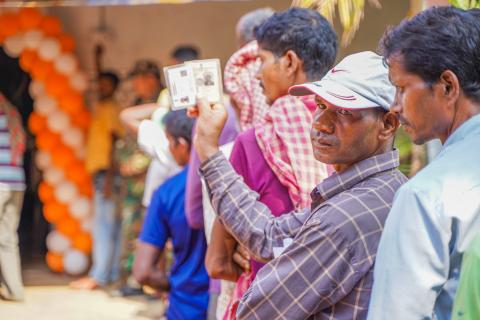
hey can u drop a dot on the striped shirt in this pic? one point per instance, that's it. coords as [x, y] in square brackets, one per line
[326, 270]
[12, 177]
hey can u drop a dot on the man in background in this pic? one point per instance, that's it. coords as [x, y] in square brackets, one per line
[104, 130]
[188, 280]
[12, 187]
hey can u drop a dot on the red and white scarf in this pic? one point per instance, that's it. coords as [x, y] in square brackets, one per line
[284, 138]
[242, 86]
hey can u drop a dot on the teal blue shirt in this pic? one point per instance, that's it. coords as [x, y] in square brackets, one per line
[433, 219]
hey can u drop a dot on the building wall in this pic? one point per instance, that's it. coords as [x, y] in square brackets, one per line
[152, 31]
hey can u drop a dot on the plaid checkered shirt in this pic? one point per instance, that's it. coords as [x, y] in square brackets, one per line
[326, 272]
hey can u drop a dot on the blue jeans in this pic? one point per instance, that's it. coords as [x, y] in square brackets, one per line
[106, 235]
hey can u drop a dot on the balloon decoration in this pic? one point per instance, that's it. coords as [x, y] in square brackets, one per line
[59, 122]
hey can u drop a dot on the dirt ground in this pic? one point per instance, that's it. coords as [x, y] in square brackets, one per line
[47, 297]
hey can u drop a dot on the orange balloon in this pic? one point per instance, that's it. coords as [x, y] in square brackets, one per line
[46, 192]
[27, 59]
[47, 140]
[71, 102]
[55, 212]
[56, 84]
[68, 227]
[83, 242]
[54, 261]
[67, 43]
[51, 26]
[30, 18]
[86, 188]
[36, 123]
[82, 119]
[41, 69]
[62, 157]
[10, 24]
[77, 173]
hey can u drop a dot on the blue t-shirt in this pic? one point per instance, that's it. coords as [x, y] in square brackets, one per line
[165, 219]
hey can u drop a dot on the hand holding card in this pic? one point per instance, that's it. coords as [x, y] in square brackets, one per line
[198, 77]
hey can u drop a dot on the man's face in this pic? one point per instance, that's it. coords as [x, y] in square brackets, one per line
[272, 76]
[344, 137]
[105, 87]
[418, 104]
[179, 150]
[145, 85]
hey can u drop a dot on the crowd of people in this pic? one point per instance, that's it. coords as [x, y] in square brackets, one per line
[286, 201]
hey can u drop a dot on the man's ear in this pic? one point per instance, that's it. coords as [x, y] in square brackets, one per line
[291, 63]
[449, 86]
[390, 124]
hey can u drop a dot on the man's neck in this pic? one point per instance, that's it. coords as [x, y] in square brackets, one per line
[466, 109]
[344, 166]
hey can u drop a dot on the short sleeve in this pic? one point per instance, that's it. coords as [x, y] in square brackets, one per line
[111, 118]
[153, 141]
[155, 229]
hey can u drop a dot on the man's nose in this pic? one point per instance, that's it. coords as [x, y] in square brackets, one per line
[324, 121]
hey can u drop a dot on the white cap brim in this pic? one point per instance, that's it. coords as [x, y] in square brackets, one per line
[333, 93]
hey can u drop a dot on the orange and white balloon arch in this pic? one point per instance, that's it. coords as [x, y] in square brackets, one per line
[59, 122]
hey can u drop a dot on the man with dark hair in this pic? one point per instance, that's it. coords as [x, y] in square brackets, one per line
[285, 35]
[100, 162]
[434, 65]
[185, 53]
[188, 281]
[326, 268]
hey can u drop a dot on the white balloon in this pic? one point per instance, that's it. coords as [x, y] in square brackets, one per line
[58, 121]
[45, 104]
[87, 224]
[57, 243]
[73, 137]
[79, 81]
[33, 38]
[14, 45]
[42, 160]
[49, 49]
[66, 64]
[75, 262]
[53, 176]
[80, 208]
[36, 89]
[65, 192]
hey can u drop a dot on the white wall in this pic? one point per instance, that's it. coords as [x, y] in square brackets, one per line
[152, 31]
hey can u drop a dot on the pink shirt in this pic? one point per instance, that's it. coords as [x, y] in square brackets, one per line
[248, 161]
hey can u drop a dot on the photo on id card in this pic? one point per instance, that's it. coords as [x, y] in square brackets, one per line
[208, 79]
[181, 86]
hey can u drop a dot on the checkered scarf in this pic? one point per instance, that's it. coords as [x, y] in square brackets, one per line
[284, 139]
[15, 128]
[243, 87]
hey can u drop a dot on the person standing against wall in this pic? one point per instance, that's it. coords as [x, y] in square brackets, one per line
[12, 187]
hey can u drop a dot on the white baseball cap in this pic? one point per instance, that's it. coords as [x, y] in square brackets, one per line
[359, 81]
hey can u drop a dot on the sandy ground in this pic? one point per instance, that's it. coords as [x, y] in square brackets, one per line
[49, 298]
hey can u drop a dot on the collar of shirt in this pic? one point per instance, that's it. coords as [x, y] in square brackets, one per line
[339, 182]
[468, 127]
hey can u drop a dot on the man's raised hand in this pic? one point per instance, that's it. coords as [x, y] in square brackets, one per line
[210, 122]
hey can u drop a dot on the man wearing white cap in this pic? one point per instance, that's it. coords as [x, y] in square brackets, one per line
[326, 267]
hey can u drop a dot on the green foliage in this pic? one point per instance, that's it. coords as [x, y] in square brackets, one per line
[465, 4]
